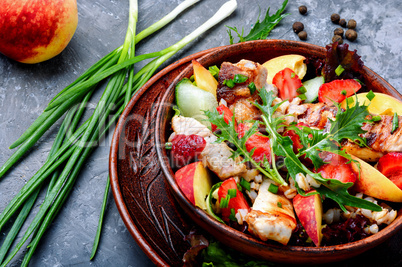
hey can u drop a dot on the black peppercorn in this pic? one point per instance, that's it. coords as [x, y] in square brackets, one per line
[335, 18]
[302, 35]
[302, 10]
[338, 31]
[337, 38]
[352, 24]
[298, 27]
[342, 22]
[351, 35]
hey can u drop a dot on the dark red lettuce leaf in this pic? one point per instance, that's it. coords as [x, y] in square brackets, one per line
[198, 242]
[339, 54]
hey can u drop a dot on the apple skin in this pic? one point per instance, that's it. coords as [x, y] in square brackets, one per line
[32, 31]
[373, 183]
[195, 182]
[309, 212]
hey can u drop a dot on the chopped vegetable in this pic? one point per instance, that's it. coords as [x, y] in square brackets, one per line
[252, 87]
[395, 123]
[273, 188]
[238, 78]
[192, 101]
[260, 30]
[312, 87]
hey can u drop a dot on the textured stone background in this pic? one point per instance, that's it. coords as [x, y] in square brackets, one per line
[25, 90]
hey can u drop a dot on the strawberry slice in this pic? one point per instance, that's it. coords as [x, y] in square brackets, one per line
[227, 115]
[236, 203]
[287, 83]
[337, 91]
[258, 141]
[337, 168]
[391, 166]
[297, 145]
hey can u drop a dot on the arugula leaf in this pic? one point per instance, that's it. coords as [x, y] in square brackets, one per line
[261, 29]
[283, 146]
[348, 124]
[228, 133]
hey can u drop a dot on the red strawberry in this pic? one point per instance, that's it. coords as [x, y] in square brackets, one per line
[297, 145]
[185, 148]
[337, 91]
[236, 203]
[227, 115]
[391, 166]
[258, 141]
[287, 82]
[342, 172]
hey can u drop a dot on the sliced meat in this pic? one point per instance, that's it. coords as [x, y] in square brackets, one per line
[188, 126]
[255, 72]
[244, 109]
[270, 220]
[379, 138]
[216, 156]
[316, 115]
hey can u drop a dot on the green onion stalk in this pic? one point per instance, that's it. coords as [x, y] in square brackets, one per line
[74, 144]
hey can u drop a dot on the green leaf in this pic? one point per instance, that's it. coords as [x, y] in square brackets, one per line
[348, 124]
[260, 30]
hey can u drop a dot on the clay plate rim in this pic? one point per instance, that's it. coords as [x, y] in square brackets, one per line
[206, 222]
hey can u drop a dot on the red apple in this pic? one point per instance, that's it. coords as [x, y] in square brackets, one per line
[195, 182]
[32, 31]
[309, 211]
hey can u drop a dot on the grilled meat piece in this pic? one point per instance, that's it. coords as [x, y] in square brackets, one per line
[255, 72]
[379, 138]
[316, 115]
[267, 220]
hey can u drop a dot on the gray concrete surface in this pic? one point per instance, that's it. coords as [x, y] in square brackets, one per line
[25, 90]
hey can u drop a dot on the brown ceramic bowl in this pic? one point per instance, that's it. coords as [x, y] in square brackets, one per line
[261, 51]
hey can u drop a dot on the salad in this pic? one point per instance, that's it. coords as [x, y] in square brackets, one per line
[295, 150]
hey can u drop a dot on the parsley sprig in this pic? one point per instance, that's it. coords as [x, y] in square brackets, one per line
[347, 124]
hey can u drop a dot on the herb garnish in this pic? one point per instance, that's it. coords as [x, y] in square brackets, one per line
[395, 123]
[252, 87]
[347, 124]
[228, 133]
[261, 29]
[238, 78]
[214, 70]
